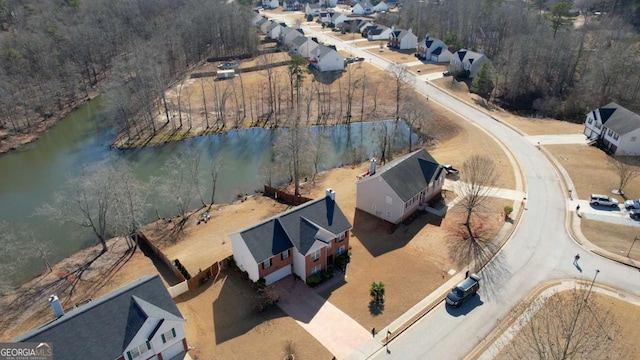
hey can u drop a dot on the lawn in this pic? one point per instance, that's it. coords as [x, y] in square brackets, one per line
[615, 238]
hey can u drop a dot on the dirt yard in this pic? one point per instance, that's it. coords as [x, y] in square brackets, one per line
[623, 314]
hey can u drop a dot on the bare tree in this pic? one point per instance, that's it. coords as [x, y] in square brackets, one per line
[565, 325]
[86, 201]
[131, 202]
[178, 185]
[478, 175]
[402, 80]
[216, 167]
[414, 114]
[626, 167]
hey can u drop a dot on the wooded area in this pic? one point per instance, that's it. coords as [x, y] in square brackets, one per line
[548, 58]
[553, 60]
[54, 53]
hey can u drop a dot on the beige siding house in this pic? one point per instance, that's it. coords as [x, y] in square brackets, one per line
[401, 187]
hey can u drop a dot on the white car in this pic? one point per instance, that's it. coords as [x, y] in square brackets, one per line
[632, 204]
[604, 200]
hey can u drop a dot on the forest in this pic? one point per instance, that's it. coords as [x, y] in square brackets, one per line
[548, 58]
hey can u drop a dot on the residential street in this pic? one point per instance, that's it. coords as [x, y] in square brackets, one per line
[539, 251]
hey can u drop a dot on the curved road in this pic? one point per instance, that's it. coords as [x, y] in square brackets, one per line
[539, 250]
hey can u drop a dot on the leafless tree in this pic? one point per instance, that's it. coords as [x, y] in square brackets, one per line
[86, 201]
[178, 186]
[565, 325]
[216, 167]
[473, 245]
[626, 167]
[402, 80]
[415, 114]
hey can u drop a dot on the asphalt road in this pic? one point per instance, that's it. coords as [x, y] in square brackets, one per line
[539, 251]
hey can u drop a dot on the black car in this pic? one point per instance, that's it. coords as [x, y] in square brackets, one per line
[464, 290]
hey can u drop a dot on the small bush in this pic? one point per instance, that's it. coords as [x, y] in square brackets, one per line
[507, 211]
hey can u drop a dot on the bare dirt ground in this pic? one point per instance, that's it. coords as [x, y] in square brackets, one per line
[625, 315]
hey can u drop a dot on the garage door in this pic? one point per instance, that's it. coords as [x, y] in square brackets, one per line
[277, 275]
[173, 351]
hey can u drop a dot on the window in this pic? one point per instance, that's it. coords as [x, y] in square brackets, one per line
[138, 350]
[340, 251]
[341, 237]
[598, 125]
[168, 335]
[615, 136]
[590, 121]
[285, 254]
[633, 138]
[316, 269]
[266, 264]
[389, 215]
[389, 200]
[316, 255]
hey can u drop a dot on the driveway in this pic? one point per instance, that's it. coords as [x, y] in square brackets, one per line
[608, 214]
[334, 329]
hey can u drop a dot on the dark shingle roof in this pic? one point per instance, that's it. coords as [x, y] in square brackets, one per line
[437, 51]
[410, 174]
[619, 119]
[296, 227]
[102, 328]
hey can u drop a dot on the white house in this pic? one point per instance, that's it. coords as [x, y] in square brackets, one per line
[256, 19]
[363, 7]
[138, 321]
[616, 127]
[303, 46]
[378, 32]
[397, 190]
[264, 26]
[325, 58]
[273, 30]
[466, 62]
[338, 18]
[270, 4]
[381, 6]
[432, 49]
[287, 35]
[325, 16]
[402, 39]
[312, 9]
[304, 240]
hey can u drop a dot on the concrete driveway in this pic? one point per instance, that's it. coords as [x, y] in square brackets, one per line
[334, 329]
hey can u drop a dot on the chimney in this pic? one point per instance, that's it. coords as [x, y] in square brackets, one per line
[331, 194]
[56, 306]
[372, 167]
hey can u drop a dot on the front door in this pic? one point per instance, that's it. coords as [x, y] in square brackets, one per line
[330, 259]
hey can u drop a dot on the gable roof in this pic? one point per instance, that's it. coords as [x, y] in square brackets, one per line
[410, 174]
[619, 119]
[102, 328]
[300, 40]
[296, 227]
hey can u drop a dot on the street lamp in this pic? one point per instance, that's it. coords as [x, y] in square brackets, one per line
[634, 241]
[592, 282]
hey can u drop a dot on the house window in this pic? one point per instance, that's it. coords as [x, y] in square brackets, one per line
[340, 251]
[168, 336]
[598, 125]
[266, 264]
[388, 215]
[389, 200]
[590, 121]
[138, 350]
[633, 138]
[615, 136]
[341, 237]
[284, 254]
[316, 255]
[316, 269]
[610, 132]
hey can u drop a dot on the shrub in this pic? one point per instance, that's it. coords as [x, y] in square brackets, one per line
[507, 211]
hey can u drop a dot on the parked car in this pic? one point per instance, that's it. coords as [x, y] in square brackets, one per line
[634, 214]
[597, 199]
[632, 204]
[467, 288]
[450, 169]
[446, 73]
[227, 66]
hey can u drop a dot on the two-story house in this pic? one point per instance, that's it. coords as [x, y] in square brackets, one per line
[466, 63]
[137, 322]
[616, 127]
[302, 241]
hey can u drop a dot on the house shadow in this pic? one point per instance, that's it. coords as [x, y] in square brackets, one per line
[240, 308]
[380, 237]
[326, 77]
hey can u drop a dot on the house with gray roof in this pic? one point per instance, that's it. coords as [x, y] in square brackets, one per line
[138, 321]
[402, 39]
[398, 189]
[302, 241]
[303, 46]
[432, 49]
[466, 63]
[617, 128]
[326, 58]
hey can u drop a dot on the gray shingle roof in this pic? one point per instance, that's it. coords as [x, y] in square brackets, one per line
[619, 119]
[296, 227]
[102, 328]
[410, 174]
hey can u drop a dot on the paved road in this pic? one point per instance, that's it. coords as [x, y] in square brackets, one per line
[540, 249]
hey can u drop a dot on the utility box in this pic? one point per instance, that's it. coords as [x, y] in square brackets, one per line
[225, 74]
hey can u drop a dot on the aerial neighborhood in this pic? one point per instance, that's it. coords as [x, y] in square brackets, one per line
[293, 179]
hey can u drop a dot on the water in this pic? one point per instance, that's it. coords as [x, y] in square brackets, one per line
[30, 176]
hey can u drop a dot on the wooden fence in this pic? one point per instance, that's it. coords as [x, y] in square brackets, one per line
[162, 257]
[285, 197]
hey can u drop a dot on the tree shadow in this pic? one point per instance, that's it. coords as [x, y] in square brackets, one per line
[376, 307]
[326, 77]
